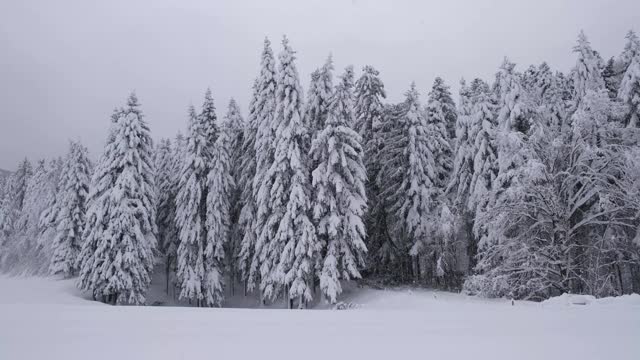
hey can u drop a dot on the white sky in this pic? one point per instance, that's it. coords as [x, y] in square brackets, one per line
[65, 64]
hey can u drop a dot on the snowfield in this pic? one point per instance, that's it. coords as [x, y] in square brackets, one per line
[49, 319]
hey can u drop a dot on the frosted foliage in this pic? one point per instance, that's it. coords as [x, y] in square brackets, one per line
[265, 107]
[191, 211]
[629, 92]
[287, 244]
[248, 210]
[339, 192]
[318, 97]
[440, 123]
[72, 203]
[586, 73]
[117, 256]
[409, 176]
[460, 179]
[369, 113]
[218, 221]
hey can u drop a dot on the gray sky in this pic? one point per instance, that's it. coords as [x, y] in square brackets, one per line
[64, 65]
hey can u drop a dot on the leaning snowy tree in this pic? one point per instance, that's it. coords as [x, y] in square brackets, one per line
[117, 256]
[287, 244]
[339, 192]
[72, 205]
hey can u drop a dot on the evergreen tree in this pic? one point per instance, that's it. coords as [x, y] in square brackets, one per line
[369, 119]
[191, 211]
[265, 145]
[319, 96]
[409, 178]
[167, 185]
[70, 219]
[460, 180]
[247, 174]
[586, 74]
[218, 221]
[233, 125]
[629, 92]
[287, 244]
[339, 192]
[442, 106]
[117, 256]
[440, 120]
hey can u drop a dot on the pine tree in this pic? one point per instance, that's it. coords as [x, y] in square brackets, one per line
[586, 74]
[117, 256]
[485, 155]
[441, 104]
[247, 174]
[460, 180]
[319, 96]
[72, 210]
[440, 120]
[265, 109]
[234, 125]
[369, 119]
[220, 185]
[339, 192]
[167, 188]
[287, 243]
[629, 92]
[191, 211]
[409, 178]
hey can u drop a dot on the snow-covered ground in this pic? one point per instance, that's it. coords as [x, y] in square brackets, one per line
[49, 319]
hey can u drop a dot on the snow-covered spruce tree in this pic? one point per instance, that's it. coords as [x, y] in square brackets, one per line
[220, 187]
[233, 125]
[13, 205]
[460, 180]
[408, 177]
[339, 199]
[191, 211]
[167, 188]
[586, 74]
[287, 244]
[441, 118]
[70, 220]
[369, 117]
[191, 207]
[629, 93]
[117, 256]
[247, 173]
[49, 217]
[265, 109]
[319, 96]
[27, 254]
[441, 103]
[513, 124]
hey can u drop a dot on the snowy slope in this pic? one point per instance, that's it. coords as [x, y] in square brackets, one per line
[48, 319]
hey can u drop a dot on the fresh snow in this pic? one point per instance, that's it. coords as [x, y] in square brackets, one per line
[388, 324]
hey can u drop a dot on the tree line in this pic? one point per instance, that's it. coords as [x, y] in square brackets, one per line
[528, 187]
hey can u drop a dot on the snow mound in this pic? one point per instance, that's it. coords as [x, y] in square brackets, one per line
[581, 300]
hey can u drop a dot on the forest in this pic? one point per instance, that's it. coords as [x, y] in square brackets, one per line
[526, 186]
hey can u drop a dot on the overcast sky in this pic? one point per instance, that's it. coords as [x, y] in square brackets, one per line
[65, 64]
